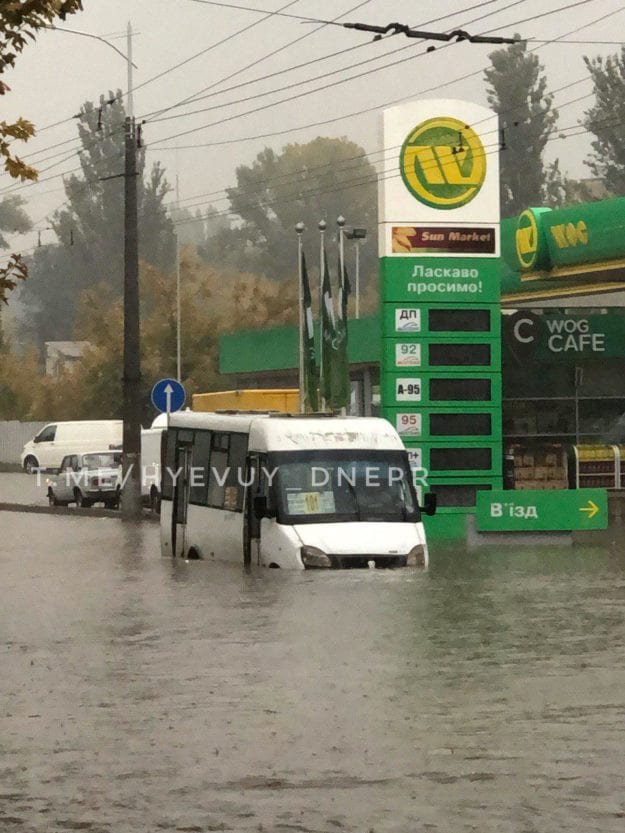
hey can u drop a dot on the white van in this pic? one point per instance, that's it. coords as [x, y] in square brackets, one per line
[296, 492]
[58, 439]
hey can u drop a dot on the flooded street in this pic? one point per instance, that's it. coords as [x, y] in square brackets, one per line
[141, 694]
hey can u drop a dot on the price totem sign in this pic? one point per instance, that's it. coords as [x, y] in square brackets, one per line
[440, 290]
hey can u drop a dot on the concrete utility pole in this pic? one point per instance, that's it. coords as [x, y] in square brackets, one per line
[131, 455]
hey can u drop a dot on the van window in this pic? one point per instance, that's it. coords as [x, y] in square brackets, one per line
[46, 435]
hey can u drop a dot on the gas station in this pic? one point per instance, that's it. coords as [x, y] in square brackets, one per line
[498, 352]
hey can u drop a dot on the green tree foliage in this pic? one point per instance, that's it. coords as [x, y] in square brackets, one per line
[606, 120]
[322, 179]
[213, 301]
[13, 219]
[90, 227]
[517, 91]
[19, 21]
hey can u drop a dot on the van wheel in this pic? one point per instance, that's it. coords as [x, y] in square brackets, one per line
[30, 464]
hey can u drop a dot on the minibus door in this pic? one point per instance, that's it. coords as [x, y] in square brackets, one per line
[180, 499]
[251, 523]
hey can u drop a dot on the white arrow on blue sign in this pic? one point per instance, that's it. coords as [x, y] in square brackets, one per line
[168, 395]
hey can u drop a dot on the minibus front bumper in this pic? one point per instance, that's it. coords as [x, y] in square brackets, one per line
[314, 558]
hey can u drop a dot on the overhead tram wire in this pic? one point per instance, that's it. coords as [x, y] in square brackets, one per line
[327, 86]
[361, 112]
[170, 69]
[433, 20]
[200, 94]
[265, 57]
[378, 106]
[316, 124]
[270, 75]
[340, 70]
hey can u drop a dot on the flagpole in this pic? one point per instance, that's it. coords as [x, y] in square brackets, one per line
[322, 225]
[299, 228]
[341, 224]
[340, 221]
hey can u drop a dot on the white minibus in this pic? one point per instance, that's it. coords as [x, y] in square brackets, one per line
[290, 491]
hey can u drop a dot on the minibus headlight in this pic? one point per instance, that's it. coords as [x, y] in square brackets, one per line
[416, 557]
[314, 557]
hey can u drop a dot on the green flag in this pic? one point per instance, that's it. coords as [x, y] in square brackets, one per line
[326, 314]
[309, 391]
[341, 384]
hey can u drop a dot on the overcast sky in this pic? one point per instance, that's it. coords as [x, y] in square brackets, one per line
[58, 72]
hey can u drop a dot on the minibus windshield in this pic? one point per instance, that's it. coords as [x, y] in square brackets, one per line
[324, 486]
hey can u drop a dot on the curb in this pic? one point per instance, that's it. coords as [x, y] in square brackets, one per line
[74, 512]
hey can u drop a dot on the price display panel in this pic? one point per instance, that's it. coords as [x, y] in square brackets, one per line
[461, 459]
[459, 320]
[460, 424]
[452, 390]
[460, 355]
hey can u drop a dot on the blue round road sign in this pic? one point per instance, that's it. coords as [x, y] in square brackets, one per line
[168, 395]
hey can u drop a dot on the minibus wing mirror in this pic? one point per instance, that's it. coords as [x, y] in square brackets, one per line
[429, 503]
[261, 509]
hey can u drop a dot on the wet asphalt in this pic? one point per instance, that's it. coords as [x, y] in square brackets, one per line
[141, 694]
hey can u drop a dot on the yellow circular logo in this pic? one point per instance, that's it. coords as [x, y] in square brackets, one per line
[443, 163]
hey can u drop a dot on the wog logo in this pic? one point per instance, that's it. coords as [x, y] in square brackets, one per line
[443, 163]
[526, 239]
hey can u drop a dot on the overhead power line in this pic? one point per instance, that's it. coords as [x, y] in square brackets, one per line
[375, 107]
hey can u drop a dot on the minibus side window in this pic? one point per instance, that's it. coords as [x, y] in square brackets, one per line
[200, 461]
[217, 472]
[234, 493]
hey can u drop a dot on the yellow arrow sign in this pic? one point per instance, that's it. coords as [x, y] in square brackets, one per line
[592, 508]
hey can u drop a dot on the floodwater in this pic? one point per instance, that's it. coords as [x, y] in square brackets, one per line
[141, 694]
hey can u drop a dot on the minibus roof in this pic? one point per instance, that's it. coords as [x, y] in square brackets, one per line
[270, 431]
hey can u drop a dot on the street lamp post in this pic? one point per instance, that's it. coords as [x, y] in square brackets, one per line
[356, 234]
[127, 58]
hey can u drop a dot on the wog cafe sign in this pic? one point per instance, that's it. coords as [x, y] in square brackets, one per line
[553, 335]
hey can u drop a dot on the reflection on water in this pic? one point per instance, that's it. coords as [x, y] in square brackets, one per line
[141, 694]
